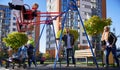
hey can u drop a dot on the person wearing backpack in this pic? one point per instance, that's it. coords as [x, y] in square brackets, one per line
[109, 42]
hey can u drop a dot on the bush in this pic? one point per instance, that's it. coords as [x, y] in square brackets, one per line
[15, 40]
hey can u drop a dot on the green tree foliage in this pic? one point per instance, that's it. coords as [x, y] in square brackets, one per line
[95, 25]
[15, 40]
[74, 32]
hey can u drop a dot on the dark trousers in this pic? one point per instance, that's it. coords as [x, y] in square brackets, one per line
[70, 52]
[30, 60]
[113, 50]
[0, 62]
[27, 14]
[19, 7]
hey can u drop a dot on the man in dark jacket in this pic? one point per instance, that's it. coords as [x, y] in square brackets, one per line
[69, 43]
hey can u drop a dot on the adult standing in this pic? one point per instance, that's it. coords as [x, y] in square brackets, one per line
[109, 43]
[68, 39]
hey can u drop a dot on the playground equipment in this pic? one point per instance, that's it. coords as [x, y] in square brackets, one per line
[24, 25]
[52, 16]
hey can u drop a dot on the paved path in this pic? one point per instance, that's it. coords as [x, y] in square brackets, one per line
[50, 67]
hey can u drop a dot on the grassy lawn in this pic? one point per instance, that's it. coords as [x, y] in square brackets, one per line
[90, 63]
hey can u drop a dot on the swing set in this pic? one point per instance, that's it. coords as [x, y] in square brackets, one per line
[50, 16]
[24, 23]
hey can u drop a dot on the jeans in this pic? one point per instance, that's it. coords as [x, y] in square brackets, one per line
[113, 50]
[70, 52]
[31, 59]
[0, 62]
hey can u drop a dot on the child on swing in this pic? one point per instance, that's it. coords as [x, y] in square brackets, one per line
[27, 15]
[24, 10]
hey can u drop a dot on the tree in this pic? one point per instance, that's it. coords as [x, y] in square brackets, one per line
[73, 32]
[15, 40]
[95, 25]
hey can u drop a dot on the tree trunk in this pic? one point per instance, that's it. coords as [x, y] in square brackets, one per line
[96, 44]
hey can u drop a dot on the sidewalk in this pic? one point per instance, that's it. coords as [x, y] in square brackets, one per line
[50, 67]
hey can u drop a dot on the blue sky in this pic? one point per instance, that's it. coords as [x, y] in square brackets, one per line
[113, 9]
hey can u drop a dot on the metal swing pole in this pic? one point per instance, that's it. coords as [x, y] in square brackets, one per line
[57, 56]
[75, 6]
[39, 38]
[55, 41]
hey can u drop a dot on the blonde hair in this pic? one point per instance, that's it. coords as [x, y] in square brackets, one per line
[107, 27]
[105, 33]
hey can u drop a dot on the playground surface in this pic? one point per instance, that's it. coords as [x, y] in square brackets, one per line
[63, 67]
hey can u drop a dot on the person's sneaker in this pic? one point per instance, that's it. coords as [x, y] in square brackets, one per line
[10, 5]
[118, 65]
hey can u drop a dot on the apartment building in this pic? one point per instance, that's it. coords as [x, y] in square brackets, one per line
[52, 6]
[4, 22]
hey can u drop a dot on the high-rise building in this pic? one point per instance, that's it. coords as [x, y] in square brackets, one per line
[87, 8]
[4, 22]
[50, 37]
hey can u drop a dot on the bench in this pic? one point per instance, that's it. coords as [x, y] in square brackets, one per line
[84, 53]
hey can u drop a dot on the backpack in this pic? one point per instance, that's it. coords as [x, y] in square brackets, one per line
[23, 52]
[30, 50]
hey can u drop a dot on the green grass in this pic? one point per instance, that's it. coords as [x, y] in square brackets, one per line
[90, 63]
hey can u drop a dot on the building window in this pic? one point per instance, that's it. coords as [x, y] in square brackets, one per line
[86, 6]
[14, 18]
[14, 29]
[93, 0]
[87, 0]
[83, 34]
[84, 13]
[14, 24]
[84, 41]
